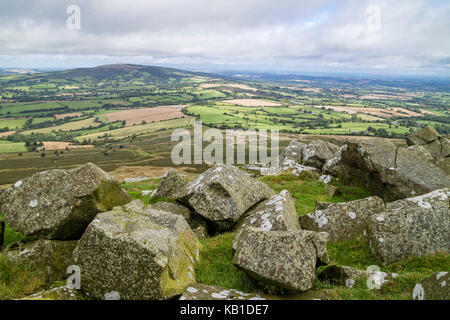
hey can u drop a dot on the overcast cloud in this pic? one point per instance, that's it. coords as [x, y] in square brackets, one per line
[377, 36]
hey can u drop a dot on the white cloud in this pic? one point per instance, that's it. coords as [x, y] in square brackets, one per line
[290, 34]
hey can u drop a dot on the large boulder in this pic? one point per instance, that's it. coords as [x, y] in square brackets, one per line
[204, 292]
[318, 152]
[388, 171]
[286, 259]
[59, 204]
[195, 221]
[137, 252]
[345, 220]
[431, 140]
[412, 227]
[423, 136]
[435, 287]
[171, 183]
[300, 157]
[276, 214]
[293, 152]
[223, 194]
[48, 258]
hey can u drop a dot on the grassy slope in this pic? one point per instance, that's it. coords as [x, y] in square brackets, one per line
[216, 267]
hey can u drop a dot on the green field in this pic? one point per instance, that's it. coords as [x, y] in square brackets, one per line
[10, 147]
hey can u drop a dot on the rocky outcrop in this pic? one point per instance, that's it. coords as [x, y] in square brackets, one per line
[59, 204]
[286, 259]
[223, 194]
[430, 139]
[435, 287]
[412, 227]
[300, 157]
[204, 292]
[137, 252]
[276, 214]
[345, 220]
[48, 258]
[317, 153]
[195, 221]
[171, 183]
[388, 171]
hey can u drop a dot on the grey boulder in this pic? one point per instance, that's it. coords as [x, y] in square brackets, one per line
[138, 253]
[286, 259]
[195, 221]
[171, 183]
[389, 171]
[275, 214]
[223, 194]
[431, 140]
[413, 227]
[59, 204]
[345, 220]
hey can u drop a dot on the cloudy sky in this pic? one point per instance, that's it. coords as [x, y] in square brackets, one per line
[365, 36]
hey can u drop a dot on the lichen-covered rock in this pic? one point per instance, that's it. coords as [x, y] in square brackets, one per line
[431, 140]
[334, 166]
[59, 204]
[435, 287]
[286, 259]
[137, 252]
[347, 276]
[171, 183]
[276, 214]
[412, 227]
[49, 258]
[195, 221]
[300, 157]
[345, 220]
[223, 194]
[59, 293]
[318, 152]
[388, 171]
[204, 292]
[341, 275]
[423, 136]
[294, 152]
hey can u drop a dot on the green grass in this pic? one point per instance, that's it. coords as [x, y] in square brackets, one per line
[17, 280]
[12, 147]
[216, 267]
[306, 190]
[13, 123]
[11, 236]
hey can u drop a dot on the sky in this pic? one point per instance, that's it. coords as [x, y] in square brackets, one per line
[407, 37]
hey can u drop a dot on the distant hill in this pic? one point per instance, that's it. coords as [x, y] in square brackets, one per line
[119, 72]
